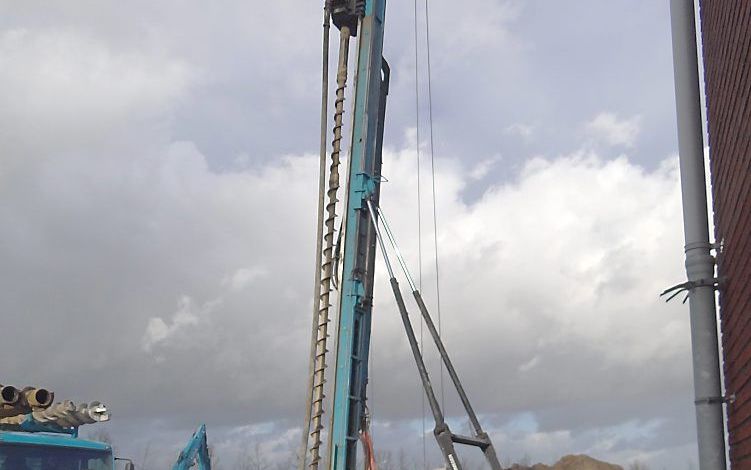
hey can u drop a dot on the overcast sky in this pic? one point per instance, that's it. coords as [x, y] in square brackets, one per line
[158, 185]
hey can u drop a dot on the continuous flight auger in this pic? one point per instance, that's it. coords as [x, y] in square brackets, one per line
[325, 263]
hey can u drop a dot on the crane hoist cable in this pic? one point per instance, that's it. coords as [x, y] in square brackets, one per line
[433, 189]
[419, 222]
[432, 180]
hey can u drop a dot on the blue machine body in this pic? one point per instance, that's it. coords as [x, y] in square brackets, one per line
[43, 445]
[371, 86]
[29, 424]
[46, 437]
[51, 440]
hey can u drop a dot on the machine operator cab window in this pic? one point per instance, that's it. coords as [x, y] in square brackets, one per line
[34, 457]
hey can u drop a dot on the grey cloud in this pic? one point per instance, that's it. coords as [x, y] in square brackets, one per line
[125, 205]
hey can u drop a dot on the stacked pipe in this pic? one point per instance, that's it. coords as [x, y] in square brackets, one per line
[65, 414]
[16, 406]
[18, 402]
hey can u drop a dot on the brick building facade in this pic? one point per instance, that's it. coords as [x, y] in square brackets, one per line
[726, 39]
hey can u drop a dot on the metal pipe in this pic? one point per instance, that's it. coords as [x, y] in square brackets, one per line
[446, 360]
[441, 430]
[432, 329]
[37, 397]
[443, 434]
[319, 237]
[9, 395]
[437, 414]
[699, 262]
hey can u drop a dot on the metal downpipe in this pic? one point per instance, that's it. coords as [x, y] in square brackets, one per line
[699, 262]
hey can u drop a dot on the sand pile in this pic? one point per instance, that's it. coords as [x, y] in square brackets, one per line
[572, 462]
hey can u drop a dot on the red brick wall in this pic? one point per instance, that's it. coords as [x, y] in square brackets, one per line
[726, 38]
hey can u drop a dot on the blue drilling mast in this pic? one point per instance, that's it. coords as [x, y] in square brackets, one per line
[358, 253]
[352, 258]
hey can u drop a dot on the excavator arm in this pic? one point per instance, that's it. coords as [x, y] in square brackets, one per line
[195, 453]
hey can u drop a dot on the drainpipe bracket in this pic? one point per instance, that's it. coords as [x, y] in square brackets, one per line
[689, 286]
[715, 400]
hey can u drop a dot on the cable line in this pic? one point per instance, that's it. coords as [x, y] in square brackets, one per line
[432, 175]
[419, 221]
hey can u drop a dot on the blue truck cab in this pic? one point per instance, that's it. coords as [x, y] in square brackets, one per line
[45, 451]
[36, 434]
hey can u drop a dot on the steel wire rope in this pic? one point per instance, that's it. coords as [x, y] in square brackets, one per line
[419, 223]
[432, 179]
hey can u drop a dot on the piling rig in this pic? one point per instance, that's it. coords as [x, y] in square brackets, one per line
[350, 257]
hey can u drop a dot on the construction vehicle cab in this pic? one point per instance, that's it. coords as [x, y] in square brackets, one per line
[37, 434]
[42, 451]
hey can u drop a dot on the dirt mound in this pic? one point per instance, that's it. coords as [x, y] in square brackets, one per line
[572, 462]
[583, 462]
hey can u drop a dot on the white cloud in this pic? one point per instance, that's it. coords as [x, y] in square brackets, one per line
[529, 364]
[563, 264]
[158, 331]
[244, 277]
[520, 129]
[74, 90]
[482, 168]
[614, 131]
[471, 31]
[553, 266]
